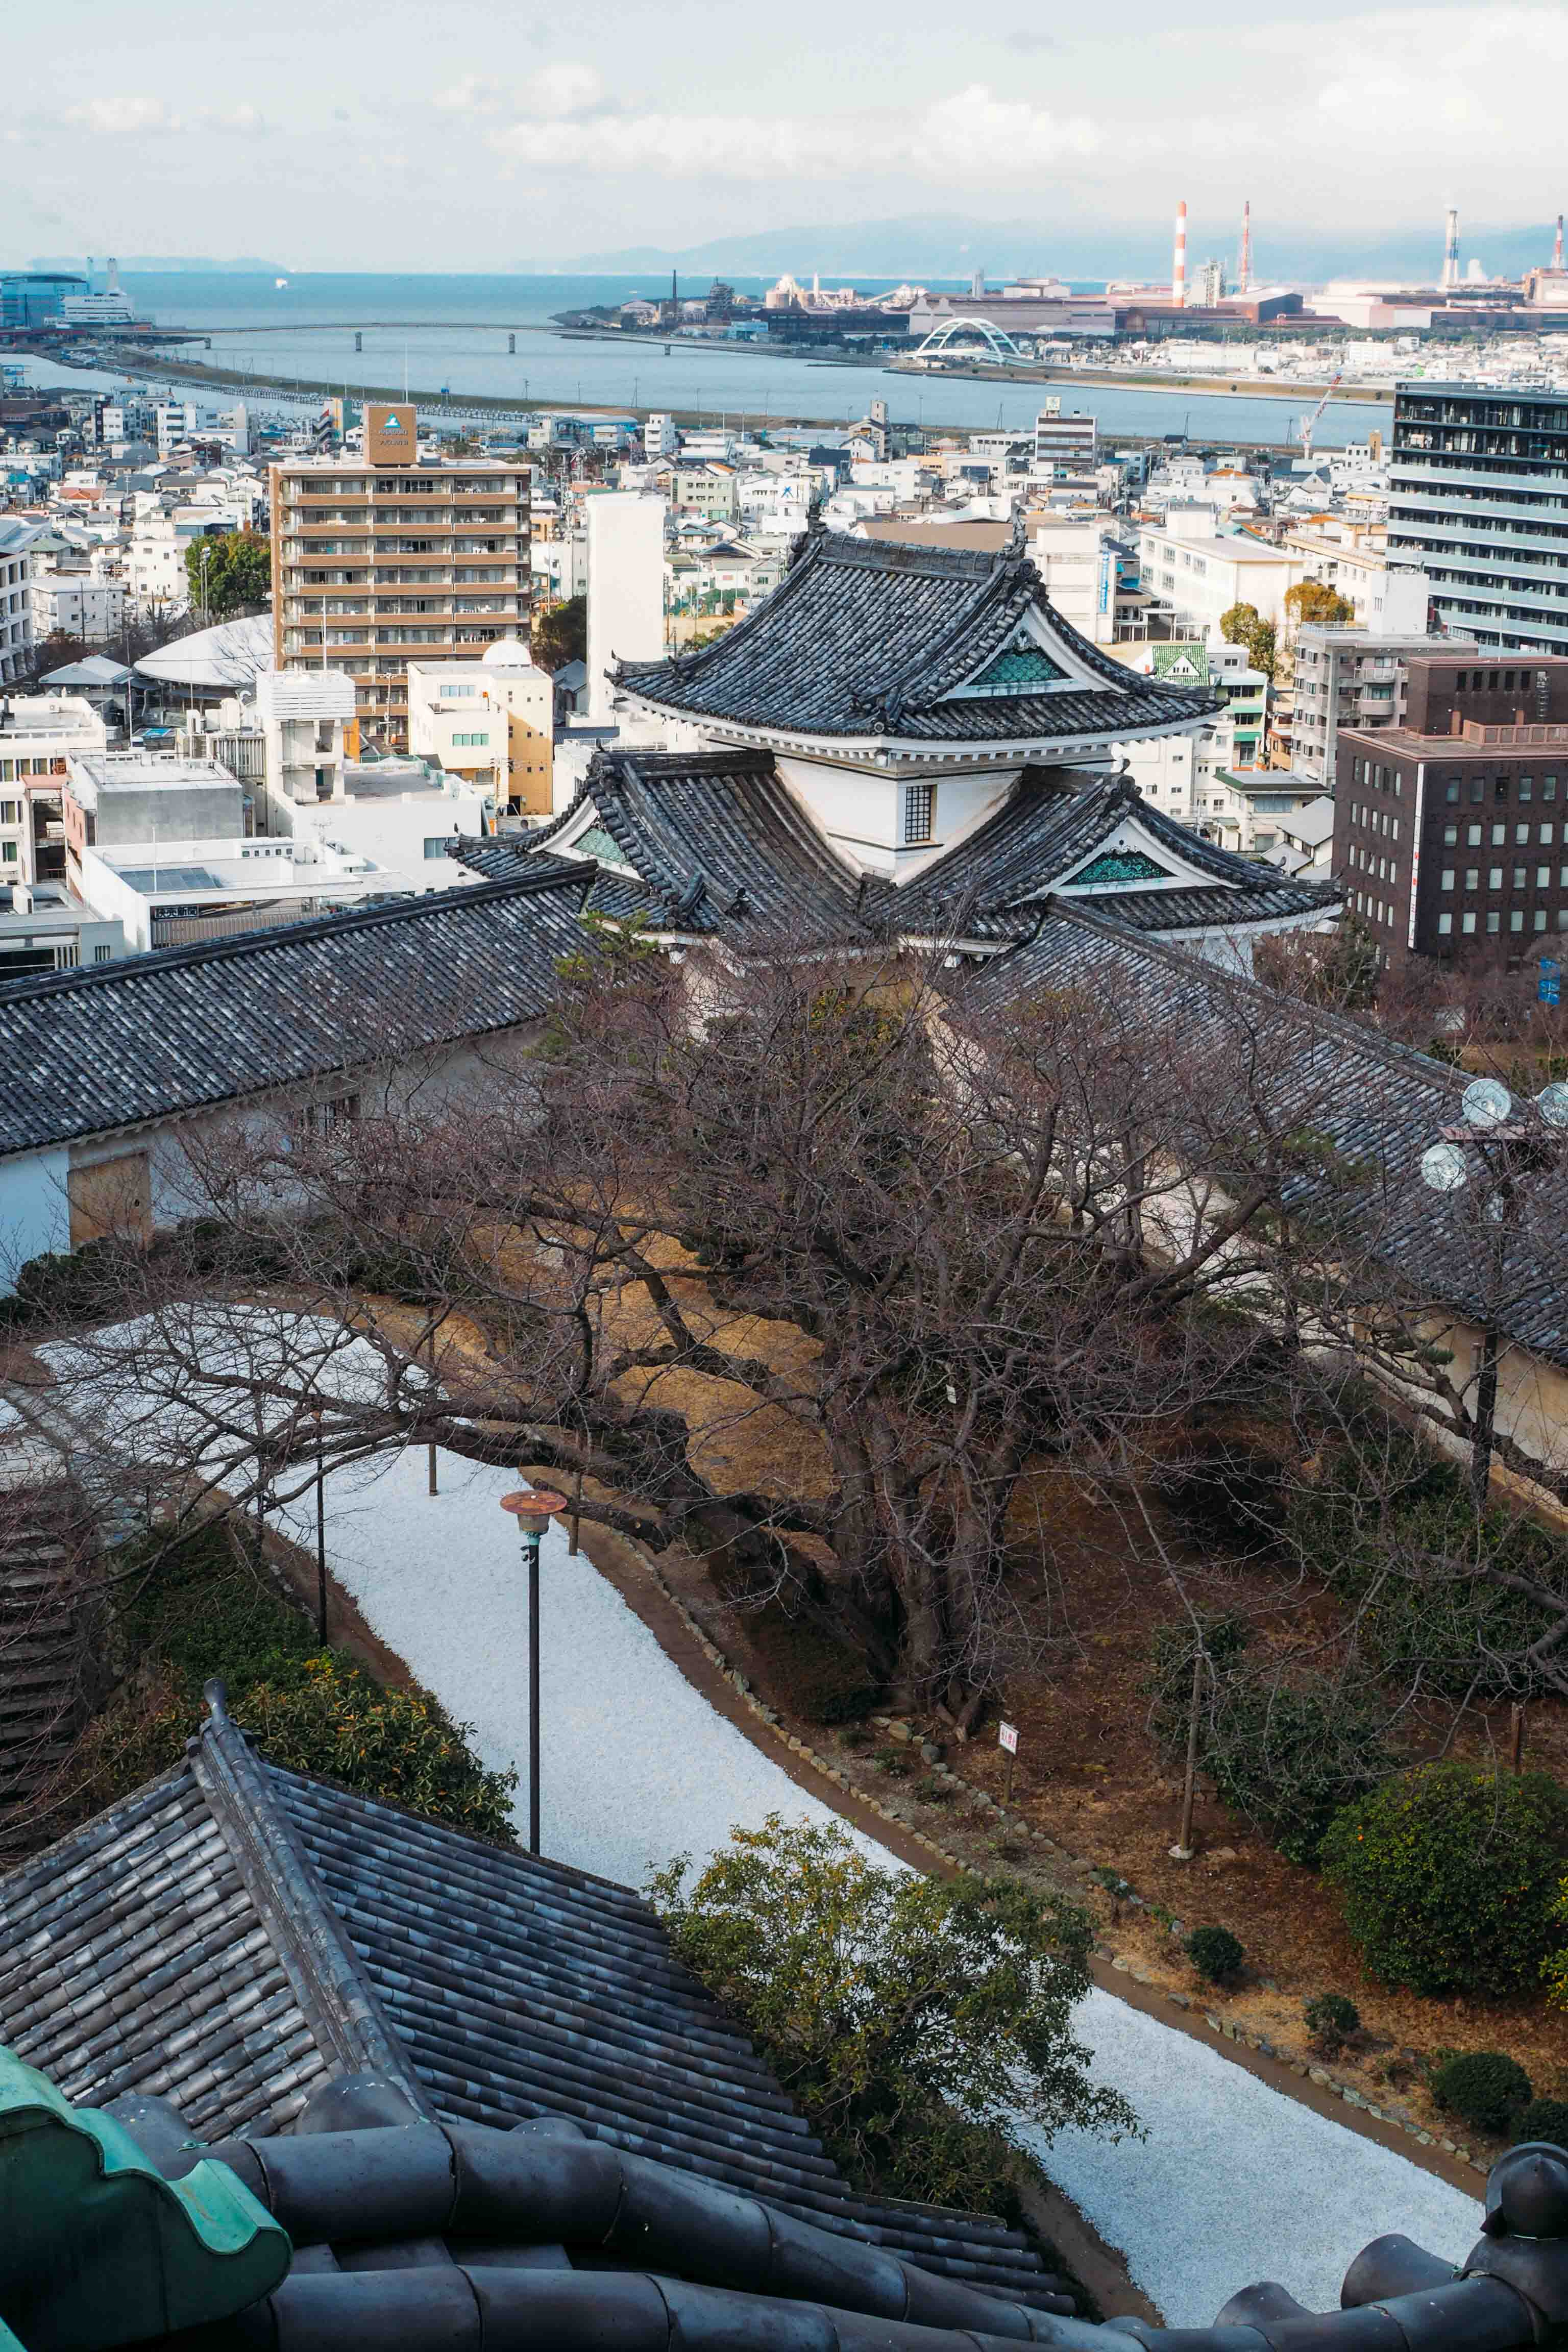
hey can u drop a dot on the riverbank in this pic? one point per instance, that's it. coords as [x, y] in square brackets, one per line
[437, 403]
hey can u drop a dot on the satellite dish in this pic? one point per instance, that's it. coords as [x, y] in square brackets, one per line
[1485, 1103]
[1551, 1102]
[1444, 1167]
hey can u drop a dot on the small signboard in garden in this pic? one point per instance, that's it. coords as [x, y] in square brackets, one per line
[1008, 1740]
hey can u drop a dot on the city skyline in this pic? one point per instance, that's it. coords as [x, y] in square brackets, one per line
[343, 153]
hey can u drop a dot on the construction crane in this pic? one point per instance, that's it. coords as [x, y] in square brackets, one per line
[1309, 424]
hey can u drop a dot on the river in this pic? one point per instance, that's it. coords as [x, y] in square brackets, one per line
[451, 332]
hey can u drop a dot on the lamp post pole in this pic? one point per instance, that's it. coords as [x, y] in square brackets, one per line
[532, 1508]
[316, 1413]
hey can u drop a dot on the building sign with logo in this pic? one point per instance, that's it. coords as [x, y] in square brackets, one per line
[391, 435]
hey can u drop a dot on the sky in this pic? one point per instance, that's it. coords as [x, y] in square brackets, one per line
[470, 135]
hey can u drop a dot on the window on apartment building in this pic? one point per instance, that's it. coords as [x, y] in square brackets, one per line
[1519, 877]
[1494, 920]
[1546, 837]
[1494, 877]
[1477, 791]
[1527, 788]
[1500, 835]
[1473, 835]
[1450, 836]
[1445, 926]
[1562, 918]
[1468, 921]
[918, 807]
[1549, 788]
[1499, 788]
[1445, 879]
[1451, 790]
[1538, 920]
[1396, 828]
[1472, 877]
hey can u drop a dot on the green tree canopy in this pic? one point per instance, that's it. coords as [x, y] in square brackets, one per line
[921, 2022]
[238, 574]
[561, 634]
[1244, 624]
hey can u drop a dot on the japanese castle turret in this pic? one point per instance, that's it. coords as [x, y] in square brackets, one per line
[907, 738]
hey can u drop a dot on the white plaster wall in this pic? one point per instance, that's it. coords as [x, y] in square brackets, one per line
[34, 1214]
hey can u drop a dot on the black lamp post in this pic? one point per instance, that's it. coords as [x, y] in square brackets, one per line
[532, 1508]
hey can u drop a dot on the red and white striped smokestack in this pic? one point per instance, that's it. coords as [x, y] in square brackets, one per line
[1557, 248]
[1179, 261]
[1244, 266]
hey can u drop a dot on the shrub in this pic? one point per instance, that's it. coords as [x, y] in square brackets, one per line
[1391, 1527]
[1290, 1755]
[1543, 2119]
[1331, 2018]
[1287, 1755]
[1215, 1953]
[1448, 1877]
[198, 1608]
[1483, 2088]
[924, 2024]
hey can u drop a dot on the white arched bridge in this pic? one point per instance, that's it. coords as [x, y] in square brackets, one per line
[952, 331]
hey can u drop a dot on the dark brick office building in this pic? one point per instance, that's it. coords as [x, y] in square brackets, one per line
[1451, 832]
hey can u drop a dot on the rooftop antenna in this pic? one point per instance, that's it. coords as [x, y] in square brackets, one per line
[1244, 266]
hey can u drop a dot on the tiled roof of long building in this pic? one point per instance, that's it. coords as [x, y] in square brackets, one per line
[154, 1035]
[1372, 1104]
[864, 637]
[236, 1936]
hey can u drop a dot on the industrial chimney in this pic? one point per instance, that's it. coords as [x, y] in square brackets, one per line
[1451, 248]
[1557, 248]
[1244, 266]
[1179, 261]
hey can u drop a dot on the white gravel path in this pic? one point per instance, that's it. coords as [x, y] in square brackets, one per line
[1234, 2182]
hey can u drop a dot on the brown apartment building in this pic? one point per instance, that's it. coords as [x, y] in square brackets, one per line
[1451, 831]
[391, 557]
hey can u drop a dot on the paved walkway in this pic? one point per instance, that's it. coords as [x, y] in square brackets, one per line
[1234, 2182]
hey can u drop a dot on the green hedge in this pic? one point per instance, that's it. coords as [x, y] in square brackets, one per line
[200, 1609]
[1449, 1876]
[1394, 1503]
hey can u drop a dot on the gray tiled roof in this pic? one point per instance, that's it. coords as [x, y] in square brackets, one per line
[235, 1936]
[721, 844]
[864, 637]
[1377, 1103]
[726, 820]
[153, 1035]
[133, 1957]
[1049, 823]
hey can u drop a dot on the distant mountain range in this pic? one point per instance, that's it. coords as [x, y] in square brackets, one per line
[152, 265]
[952, 244]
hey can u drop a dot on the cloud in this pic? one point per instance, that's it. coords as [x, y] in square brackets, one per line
[972, 134]
[121, 116]
[475, 94]
[248, 120]
[565, 93]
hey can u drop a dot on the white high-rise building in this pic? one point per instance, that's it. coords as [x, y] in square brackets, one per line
[626, 587]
